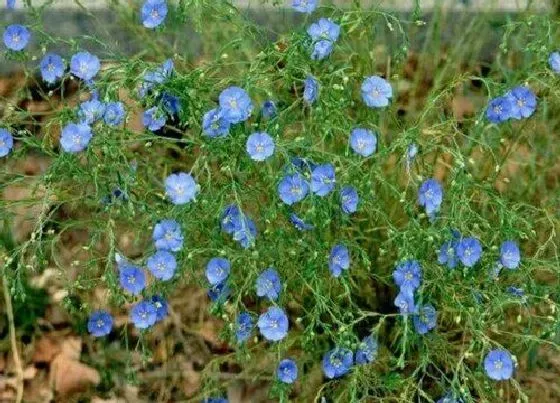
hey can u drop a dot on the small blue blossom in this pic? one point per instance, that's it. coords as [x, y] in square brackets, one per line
[153, 119]
[100, 323]
[411, 153]
[303, 165]
[235, 104]
[215, 400]
[162, 265]
[324, 29]
[143, 315]
[52, 67]
[367, 350]
[447, 254]
[376, 92]
[310, 90]
[6, 142]
[230, 216]
[180, 188]
[157, 76]
[273, 324]
[408, 275]
[554, 61]
[260, 146]
[132, 278]
[244, 231]
[523, 102]
[304, 6]
[516, 291]
[75, 137]
[323, 179]
[349, 199]
[10, 4]
[425, 319]
[171, 104]
[153, 13]
[321, 50]
[214, 123]
[339, 259]
[161, 307]
[498, 365]
[219, 293]
[114, 113]
[268, 109]
[405, 301]
[167, 235]
[84, 65]
[337, 362]
[363, 142]
[287, 371]
[268, 284]
[91, 111]
[217, 270]
[499, 109]
[430, 196]
[469, 251]
[293, 188]
[510, 255]
[244, 327]
[299, 223]
[16, 37]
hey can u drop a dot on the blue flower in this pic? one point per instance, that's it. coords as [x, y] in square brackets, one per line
[161, 307]
[52, 67]
[447, 254]
[499, 109]
[516, 291]
[299, 223]
[230, 216]
[171, 104]
[405, 301]
[114, 113]
[554, 61]
[510, 255]
[180, 188]
[321, 50]
[214, 123]
[425, 319]
[367, 350]
[523, 102]
[153, 13]
[100, 323]
[157, 76]
[323, 179]
[6, 142]
[287, 371]
[268, 109]
[339, 259]
[217, 270]
[303, 165]
[337, 362]
[91, 111]
[84, 65]
[153, 119]
[411, 152]
[324, 29]
[75, 137]
[244, 327]
[469, 251]
[349, 199]
[215, 400]
[304, 6]
[162, 265]
[293, 188]
[268, 284]
[143, 314]
[408, 275]
[10, 4]
[310, 90]
[376, 92]
[235, 104]
[273, 324]
[430, 196]
[244, 231]
[167, 236]
[498, 365]
[363, 142]
[260, 146]
[132, 278]
[16, 37]
[219, 293]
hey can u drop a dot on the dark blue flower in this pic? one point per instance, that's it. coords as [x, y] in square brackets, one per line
[52, 67]
[75, 137]
[408, 275]
[323, 179]
[215, 400]
[244, 327]
[268, 284]
[260, 146]
[153, 13]
[367, 350]
[268, 109]
[16, 37]
[376, 92]
[171, 104]
[299, 223]
[405, 301]
[244, 231]
[219, 293]
[161, 307]
[180, 188]
[337, 362]
[91, 111]
[363, 142]
[157, 76]
[167, 235]
[499, 109]
[230, 217]
[304, 6]
[339, 259]
[469, 251]
[84, 65]
[235, 104]
[217, 270]
[447, 254]
[162, 265]
[273, 324]
[302, 165]
[6, 142]
[153, 119]
[311, 89]
[425, 319]
[523, 102]
[554, 61]
[430, 196]
[510, 255]
[321, 50]
[287, 371]
[132, 278]
[498, 365]
[143, 314]
[215, 124]
[349, 199]
[293, 188]
[114, 113]
[10, 4]
[100, 323]
[516, 291]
